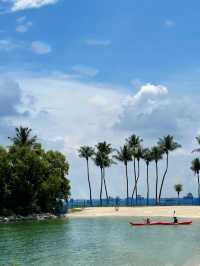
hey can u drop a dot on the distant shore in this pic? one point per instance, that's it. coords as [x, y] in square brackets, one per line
[157, 211]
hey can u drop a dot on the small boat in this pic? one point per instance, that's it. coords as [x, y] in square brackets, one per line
[161, 223]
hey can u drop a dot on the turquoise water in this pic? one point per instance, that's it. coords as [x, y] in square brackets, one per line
[97, 242]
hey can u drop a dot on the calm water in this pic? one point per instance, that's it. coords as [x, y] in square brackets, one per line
[98, 241]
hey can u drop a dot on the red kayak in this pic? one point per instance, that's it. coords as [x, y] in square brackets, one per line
[161, 223]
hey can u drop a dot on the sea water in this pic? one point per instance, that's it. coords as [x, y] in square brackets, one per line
[98, 242]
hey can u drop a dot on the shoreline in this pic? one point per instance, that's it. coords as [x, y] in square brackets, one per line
[30, 217]
[155, 211]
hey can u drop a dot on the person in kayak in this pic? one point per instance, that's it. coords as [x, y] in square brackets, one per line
[148, 221]
[175, 218]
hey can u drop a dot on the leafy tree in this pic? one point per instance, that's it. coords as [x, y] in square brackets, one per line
[5, 175]
[195, 167]
[167, 144]
[27, 173]
[31, 179]
[134, 142]
[156, 156]
[124, 155]
[87, 152]
[178, 188]
[147, 157]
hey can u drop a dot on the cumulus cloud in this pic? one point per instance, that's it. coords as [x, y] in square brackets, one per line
[17, 5]
[66, 113]
[153, 113]
[40, 47]
[11, 106]
[147, 92]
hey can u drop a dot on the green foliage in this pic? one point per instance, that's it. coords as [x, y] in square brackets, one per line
[178, 188]
[147, 155]
[31, 179]
[157, 153]
[195, 167]
[168, 144]
[124, 154]
[86, 152]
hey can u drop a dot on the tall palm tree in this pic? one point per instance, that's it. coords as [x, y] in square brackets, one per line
[167, 144]
[23, 137]
[105, 150]
[178, 188]
[133, 142]
[87, 152]
[156, 156]
[138, 154]
[124, 155]
[100, 161]
[195, 167]
[198, 141]
[147, 157]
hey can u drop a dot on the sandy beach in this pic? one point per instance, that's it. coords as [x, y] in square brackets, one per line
[160, 211]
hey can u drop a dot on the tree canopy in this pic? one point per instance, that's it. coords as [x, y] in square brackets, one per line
[31, 179]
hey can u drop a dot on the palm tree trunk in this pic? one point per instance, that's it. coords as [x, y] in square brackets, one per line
[165, 173]
[147, 184]
[101, 187]
[156, 182]
[136, 182]
[127, 196]
[88, 173]
[198, 186]
[104, 180]
[135, 187]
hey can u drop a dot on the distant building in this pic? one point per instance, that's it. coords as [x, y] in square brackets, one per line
[188, 196]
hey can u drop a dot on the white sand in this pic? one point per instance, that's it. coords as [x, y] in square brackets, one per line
[164, 211]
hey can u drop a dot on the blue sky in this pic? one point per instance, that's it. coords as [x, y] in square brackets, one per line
[79, 72]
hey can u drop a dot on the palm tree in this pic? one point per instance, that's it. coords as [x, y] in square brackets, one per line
[105, 150]
[124, 155]
[138, 154]
[156, 156]
[23, 137]
[147, 157]
[99, 160]
[87, 152]
[167, 144]
[133, 142]
[178, 188]
[198, 140]
[196, 169]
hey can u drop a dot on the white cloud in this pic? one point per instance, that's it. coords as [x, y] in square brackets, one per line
[21, 19]
[37, 47]
[26, 4]
[96, 42]
[24, 27]
[147, 92]
[67, 113]
[40, 47]
[85, 70]
[9, 45]
[169, 23]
